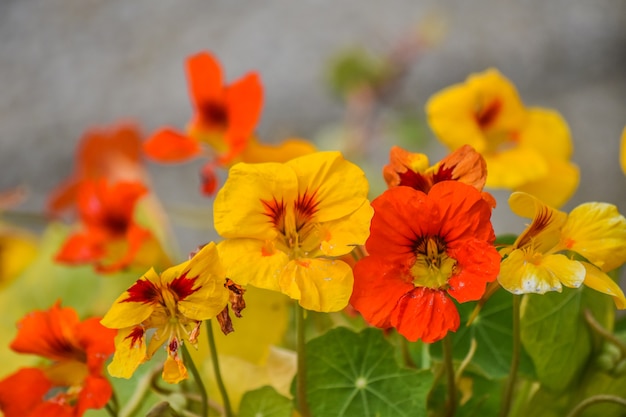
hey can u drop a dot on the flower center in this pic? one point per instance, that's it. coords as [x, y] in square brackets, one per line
[433, 267]
[214, 114]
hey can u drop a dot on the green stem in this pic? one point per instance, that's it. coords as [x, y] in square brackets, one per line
[197, 379]
[406, 353]
[141, 391]
[597, 327]
[110, 409]
[303, 406]
[450, 377]
[595, 400]
[517, 344]
[228, 412]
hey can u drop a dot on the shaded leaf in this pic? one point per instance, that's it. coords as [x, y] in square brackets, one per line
[265, 402]
[355, 374]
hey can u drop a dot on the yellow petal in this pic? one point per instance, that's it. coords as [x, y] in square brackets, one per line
[252, 261]
[601, 282]
[340, 186]
[257, 152]
[210, 296]
[341, 236]
[129, 313]
[318, 284]
[17, 250]
[238, 209]
[174, 370]
[522, 273]
[558, 186]
[544, 232]
[547, 132]
[130, 352]
[515, 167]
[597, 231]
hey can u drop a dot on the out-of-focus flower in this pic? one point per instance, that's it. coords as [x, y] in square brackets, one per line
[622, 152]
[109, 237]
[225, 117]
[422, 250]
[73, 382]
[414, 170]
[542, 260]
[526, 149]
[173, 305]
[17, 246]
[112, 153]
[286, 224]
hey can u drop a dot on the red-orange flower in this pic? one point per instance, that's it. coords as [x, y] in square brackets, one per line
[225, 116]
[113, 153]
[424, 249]
[109, 238]
[414, 170]
[73, 382]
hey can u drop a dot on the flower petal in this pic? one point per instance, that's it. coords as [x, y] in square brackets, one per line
[204, 77]
[318, 284]
[425, 314]
[341, 236]
[167, 145]
[291, 148]
[130, 352]
[547, 132]
[95, 394]
[558, 186]
[22, 391]
[515, 167]
[174, 370]
[597, 231]
[478, 263]
[600, 281]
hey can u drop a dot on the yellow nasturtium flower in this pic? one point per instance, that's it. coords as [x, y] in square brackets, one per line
[174, 304]
[286, 224]
[622, 151]
[542, 260]
[526, 149]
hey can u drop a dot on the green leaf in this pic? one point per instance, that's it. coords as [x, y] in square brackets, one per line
[355, 374]
[556, 336]
[492, 330]
[265, 402]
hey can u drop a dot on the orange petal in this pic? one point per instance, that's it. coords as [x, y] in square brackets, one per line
[23, 391]
[464, 165]
[95, 394]
[167, 145]
[209, 179]
[204, 77]
[79, 249]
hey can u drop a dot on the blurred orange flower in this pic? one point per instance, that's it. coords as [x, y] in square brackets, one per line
[73, 382]
[225, 117]
[109, 238]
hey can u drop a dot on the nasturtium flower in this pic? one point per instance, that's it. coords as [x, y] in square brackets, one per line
[72, 382]
[558, 249]
[286, 224]
[622, 151]
[109, 237]
[424, 250]
[167, 308]
[414, 170]
[111, 153]
[526, 149]
[223, 124]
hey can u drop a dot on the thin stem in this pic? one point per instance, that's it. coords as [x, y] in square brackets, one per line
[406, 353]
[228, 412]
[197, 379]
[510, 386]
[597, 327]
[110, 409]
[450, 377]
[303, 406]
[595, 400]
[135, 401]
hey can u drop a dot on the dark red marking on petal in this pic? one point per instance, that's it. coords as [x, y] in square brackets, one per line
[414, 180]
[214, 114]
[183, 286]
[487, 114]
[143, 291]
[136, 336]
[172, 347]
[444, 173]
[306, 205]
[540, 222]
[275, 210]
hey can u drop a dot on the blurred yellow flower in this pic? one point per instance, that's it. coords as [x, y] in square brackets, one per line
[622, 152]
[526, 149]
[542, 258]
[174, 303]
[285, 224]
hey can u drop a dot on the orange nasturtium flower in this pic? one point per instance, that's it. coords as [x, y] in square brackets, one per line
[622, 151]
[286, 224]
[225, 117]
[113, 153]
[73, 382]
[414, 170]
[422, 250]
[541, 259]
[109, 237]
[173, 304]
[526, 149]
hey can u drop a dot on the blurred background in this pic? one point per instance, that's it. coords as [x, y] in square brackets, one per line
[69, 65]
